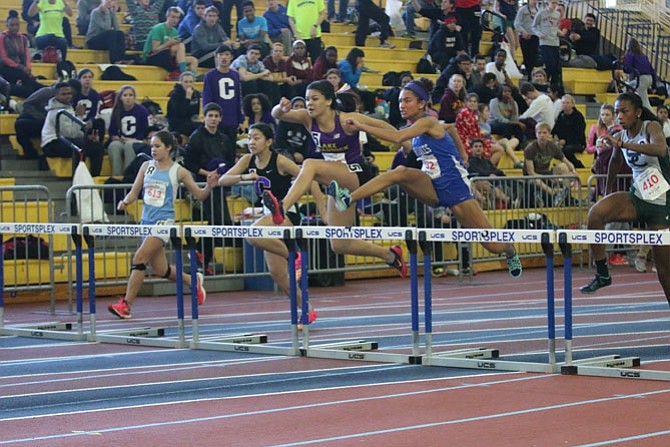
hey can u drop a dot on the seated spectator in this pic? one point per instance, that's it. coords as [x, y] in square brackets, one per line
[15, 64]
[556, 95]
[505, 115]
[253, 74]
[569, 131]
[540, 108]
[257, 109]
[333, 76]
[453, 99]
[54, 147]
[279, 28]
[144, 14]
[299, 68]
[351, 69]
[293, 139]
[662, 115]
[282, 84]
[367, 10]
[392, 97]
[538, 157]
[497, 67]
[104, 32]
[50, 32]
[467, 126]
[606, 125]
[539, 80]
[489, 88]
[462, 65]
[585, 41]
[183, 106]
[478, 70]
[84, 10]
[446, 43]
[427, 8]
[207, 37]
[488, 194]
[128, 125]
[194, 16]
[508, 145]
[164, 49]
[252, 29]
[326, 61]
[87, 104]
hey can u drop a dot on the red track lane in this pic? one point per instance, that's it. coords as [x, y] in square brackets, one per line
[519, 410]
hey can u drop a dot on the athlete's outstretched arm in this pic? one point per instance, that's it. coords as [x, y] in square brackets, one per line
[419, 127]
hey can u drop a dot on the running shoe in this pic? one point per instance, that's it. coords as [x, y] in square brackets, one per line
[271, 203]
[617, 259]
[398, 262]
[640, 264]
[597, 283]
[514, 266]
[202, 293]
[341, 195]
[121, 309]
[298, 266]
[311, 318]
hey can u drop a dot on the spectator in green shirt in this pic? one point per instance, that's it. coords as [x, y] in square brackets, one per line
[164, 49]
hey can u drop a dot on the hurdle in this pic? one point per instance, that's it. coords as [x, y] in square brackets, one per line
[614, 365]
[246, 342]
[137, 336]
[483, 357]
[359, 350]
[55, 330]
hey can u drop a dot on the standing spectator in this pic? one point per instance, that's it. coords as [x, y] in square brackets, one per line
[222, 86]
[305, 19]
[606, 124]
[84, 10]
[446, 43]
[468, 13]
[164, 49]
[428, 9]
[255, 77]
[104, 32]
[50, 31]
[226, 10]
[508, 8]
[636, 63]
[569, 130]
[342, 14]
[252, 29]
[529, 42]
[194, 16]
[207, 37]
[540, 109]
[293, 139]
[298, 69]
[368, 10]
[325, 62]
[183, 106]
[15, 64]
[128, 125]
[279, 28]
[144, 14]
[453, 99]
[545, 27]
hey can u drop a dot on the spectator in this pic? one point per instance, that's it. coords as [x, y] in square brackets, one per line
[299, 69]
[252, 29]
[257, 109]
[540, 109]
[478, 70]
[428, 9]
[487, 194]
[497, 67]
[467, 126]
[144, 14]
[529, 42]
[342, 15]
[453, 99]
[605, 125]
[509, 145]
[539, 80]
[585, 42]
[446, 43]
[569, 131]
[293, 139]
[636, 63]
[50, 32]
[84, 10]
[565, 23]
[333, 76]
[164, 49]
[255, 77]
[367, 10]
[29, 123]
[183, 106]
[207, 147]
[538, 156]
[468, 13]
[104, 32]
[54, 147]
[392, 97]
[194, 16]
[15, 64]
[508, 8]
[226, 13]
[505, 115]
[305, 19]
[545, 27]
[461, 65]
[128, 125]
[282, 84]
[488, 89]
[87, 104]
[351, 70]
[662, 115]
[223, 87]
[326, 61]
[207, 37]
[279, 28]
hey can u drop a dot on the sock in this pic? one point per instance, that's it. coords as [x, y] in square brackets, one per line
[601, 268]
[183, 67]
[395, 258]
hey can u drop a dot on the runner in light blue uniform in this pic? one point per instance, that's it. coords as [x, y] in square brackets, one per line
[442, 179]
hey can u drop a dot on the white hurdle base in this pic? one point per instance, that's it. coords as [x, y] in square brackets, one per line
[358, 350]
[470, 353]
[49, 330]
[617, 373]
[153, 337]
[488, 364]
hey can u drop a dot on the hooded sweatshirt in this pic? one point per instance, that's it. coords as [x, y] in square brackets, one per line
[68, 128]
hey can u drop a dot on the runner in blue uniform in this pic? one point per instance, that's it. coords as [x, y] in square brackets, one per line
[441, 182]
[159, 179]
[642, 146]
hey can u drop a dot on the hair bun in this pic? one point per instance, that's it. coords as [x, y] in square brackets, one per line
[12, 14]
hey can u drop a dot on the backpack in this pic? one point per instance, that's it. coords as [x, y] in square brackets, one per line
[50, 55]
[152, 106]
[65, 70]
[391, 79]
[425, 65]
[25, 247]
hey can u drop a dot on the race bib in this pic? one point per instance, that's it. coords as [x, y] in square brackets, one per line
[431, 167]
[154, 194]
[651, 184]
